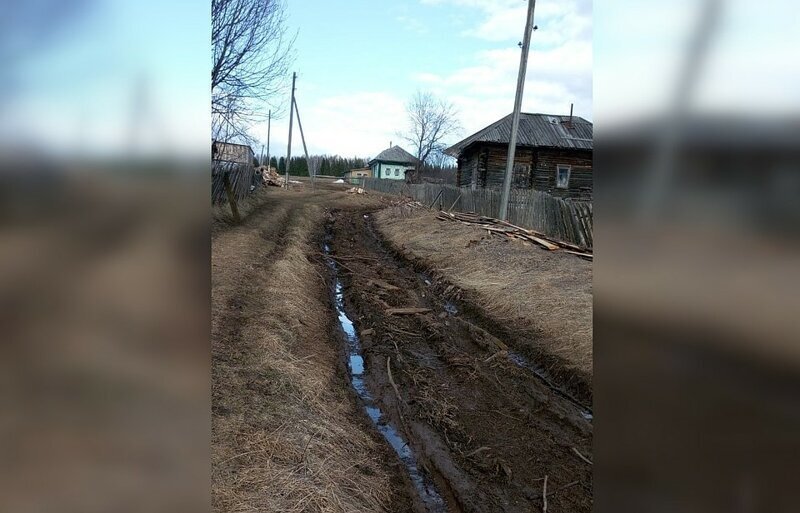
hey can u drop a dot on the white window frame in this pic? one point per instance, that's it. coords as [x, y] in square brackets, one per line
[559, 167]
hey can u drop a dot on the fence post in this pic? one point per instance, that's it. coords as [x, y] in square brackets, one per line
[231, 197]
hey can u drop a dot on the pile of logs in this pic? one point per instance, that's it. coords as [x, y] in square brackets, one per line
[504, 228]
[270, 176]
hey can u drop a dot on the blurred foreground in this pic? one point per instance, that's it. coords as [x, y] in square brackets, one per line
[697, 361]
[104, 289]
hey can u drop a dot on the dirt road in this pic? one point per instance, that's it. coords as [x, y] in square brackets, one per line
[346, 380]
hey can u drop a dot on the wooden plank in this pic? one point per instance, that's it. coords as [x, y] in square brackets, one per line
[588, 256]
[544, 243]
[382, 284]
[407, 311]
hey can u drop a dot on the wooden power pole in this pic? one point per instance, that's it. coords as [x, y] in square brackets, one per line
[305, 149]
[291, 120]
[512, 144]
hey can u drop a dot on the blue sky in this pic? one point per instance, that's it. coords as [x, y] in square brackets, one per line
[76, 92]
[359, 62]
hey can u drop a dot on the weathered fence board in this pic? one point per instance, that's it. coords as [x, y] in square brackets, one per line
[564, 219]
[240, 176]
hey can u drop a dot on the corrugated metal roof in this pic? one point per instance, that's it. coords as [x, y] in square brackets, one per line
[545, 130]
[395, 154]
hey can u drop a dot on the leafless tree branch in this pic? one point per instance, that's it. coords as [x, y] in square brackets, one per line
[251, 54]
[431, 122]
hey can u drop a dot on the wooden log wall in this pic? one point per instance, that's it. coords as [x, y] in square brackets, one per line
[580, 177]
[485, 166]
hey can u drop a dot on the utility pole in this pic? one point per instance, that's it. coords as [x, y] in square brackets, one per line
[269, 127]
[660, 176]
[291, 120]
[305, 150]
[512, 144]
[261, 158]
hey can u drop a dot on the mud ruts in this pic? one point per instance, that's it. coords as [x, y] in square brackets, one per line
[422, 483]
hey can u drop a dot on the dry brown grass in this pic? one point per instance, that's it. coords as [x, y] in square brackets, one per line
[222, 217]
[285, 434]
[545, 297]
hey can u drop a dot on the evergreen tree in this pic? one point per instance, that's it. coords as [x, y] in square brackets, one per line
[282, 165]
[273, 162]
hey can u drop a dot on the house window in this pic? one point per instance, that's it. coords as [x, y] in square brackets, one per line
[522, 176]
[396, 171]
[562, 176]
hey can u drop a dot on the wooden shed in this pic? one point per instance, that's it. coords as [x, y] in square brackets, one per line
[234, 161]
[553, 154]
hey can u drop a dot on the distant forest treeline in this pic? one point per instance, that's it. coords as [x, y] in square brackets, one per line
[332, 165]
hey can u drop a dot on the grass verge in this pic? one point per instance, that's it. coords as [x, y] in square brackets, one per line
[542, 298]
[286, 435]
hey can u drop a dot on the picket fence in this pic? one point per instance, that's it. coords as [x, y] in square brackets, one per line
[564, 219]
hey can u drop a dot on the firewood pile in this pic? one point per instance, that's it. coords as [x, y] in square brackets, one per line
[356, 190]
[270, 176]
[504, 228]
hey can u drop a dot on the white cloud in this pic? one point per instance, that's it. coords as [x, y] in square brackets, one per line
[559, 65]
[744, 71]
[504, 20]
[412, 24]
[559, 73]
[354, 124]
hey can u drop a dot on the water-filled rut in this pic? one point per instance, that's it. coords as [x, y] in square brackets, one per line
[476, 425]
[423, 484]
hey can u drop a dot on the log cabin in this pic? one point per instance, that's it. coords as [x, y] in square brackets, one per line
[553, 154]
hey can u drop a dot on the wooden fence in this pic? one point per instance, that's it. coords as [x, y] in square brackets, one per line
[240, 176]
[563, 219]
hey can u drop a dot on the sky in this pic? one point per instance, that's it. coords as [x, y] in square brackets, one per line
[359, 62]
[749, 69]
[112, 65]
[117, 65]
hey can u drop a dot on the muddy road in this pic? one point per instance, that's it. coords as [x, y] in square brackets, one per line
[475, 424]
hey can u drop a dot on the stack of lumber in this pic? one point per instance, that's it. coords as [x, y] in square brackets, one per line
[504, 228]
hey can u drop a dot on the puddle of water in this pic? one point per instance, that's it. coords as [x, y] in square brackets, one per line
[450, 308]
[356, 365]
[421, 481]
[523, 362]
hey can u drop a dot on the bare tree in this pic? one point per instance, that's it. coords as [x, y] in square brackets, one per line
[431, 121]
[251, 58]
